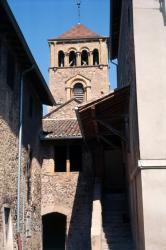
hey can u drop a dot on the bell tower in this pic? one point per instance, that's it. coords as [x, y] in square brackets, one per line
[78, 65]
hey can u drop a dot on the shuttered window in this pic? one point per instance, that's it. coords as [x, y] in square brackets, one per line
[79, 92]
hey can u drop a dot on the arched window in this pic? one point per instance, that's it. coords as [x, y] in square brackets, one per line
[72, 58]
[95, 57]
[84, 58]
[78, 92]
[61, 57]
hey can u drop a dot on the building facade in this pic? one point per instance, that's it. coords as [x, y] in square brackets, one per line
[22, 93]
[78, 73]
[138, 32]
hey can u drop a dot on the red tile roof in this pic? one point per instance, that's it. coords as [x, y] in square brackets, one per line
[60, 129]
[76, 32]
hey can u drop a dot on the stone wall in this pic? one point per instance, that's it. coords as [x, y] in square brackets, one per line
[9, 108]
[69, 194]
[72, 196]
[9, 129]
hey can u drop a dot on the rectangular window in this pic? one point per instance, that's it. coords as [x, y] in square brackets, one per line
[68, 158]
[60, 159]
[75, 158]
[10, 70]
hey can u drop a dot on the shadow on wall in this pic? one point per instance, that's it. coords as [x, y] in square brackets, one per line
[79, 234]
[163, 10]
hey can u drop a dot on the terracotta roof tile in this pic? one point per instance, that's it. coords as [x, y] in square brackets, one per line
[60, 129]
[76, 32]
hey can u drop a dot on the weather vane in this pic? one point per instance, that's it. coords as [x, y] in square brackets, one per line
[78, 2]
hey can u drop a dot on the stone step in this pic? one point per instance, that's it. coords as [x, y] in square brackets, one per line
[116, 224]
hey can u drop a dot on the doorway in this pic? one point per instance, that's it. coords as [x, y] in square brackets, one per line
[54, 231]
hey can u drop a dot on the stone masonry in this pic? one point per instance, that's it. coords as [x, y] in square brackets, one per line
[14, 60]
[94, 78]
[71, 192]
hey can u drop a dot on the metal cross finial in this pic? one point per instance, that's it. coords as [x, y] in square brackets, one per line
[78, 2]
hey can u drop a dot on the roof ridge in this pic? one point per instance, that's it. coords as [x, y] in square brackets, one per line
[61, 106]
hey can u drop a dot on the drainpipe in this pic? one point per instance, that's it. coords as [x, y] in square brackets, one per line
[20, 154]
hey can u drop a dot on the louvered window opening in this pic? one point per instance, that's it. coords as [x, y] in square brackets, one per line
[79, 92]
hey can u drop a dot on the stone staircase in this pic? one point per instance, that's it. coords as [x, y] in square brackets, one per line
[116, 232]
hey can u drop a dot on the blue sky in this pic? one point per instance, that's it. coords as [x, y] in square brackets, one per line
[43, 19]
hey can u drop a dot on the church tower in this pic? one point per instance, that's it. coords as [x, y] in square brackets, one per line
[78, 65]
[78, 72]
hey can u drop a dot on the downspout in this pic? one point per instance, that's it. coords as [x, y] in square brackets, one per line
[20, 155]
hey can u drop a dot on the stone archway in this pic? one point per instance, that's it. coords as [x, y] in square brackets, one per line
[54, 231]
[48, 209]
[86, 83]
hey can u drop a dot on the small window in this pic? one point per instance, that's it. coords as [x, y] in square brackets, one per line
[84, 58]
[10, 70]
[61, 58]
[78, 92]
[75, 158]
[72, 58]
[6, 218]
[95, 57]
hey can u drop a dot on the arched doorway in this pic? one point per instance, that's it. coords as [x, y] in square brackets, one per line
[54, 231]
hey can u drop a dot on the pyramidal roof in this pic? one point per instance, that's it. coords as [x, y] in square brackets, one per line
[76, 32]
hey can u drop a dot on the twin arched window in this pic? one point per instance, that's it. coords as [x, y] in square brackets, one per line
[73, 58]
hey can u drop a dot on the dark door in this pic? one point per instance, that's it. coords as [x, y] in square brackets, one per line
[54, 231]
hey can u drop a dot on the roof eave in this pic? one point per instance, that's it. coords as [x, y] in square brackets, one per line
[77, 38]
[61, 138]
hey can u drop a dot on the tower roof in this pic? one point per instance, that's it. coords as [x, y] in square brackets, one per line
[76, 32]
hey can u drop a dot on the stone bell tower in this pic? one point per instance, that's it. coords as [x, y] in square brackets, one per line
[78, 65]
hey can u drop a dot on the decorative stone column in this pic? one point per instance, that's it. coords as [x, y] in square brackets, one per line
[91, 58]
[66, 60]
[100, 52]
[88, 93]
[78, 59]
